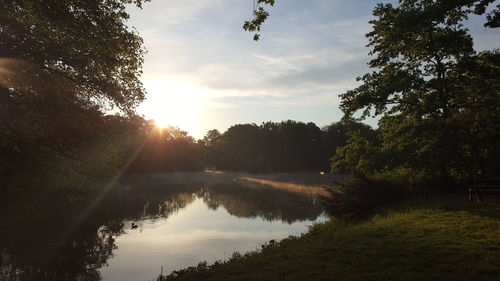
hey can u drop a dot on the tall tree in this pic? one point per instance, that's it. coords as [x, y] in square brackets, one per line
[63, 63]
[421, 84]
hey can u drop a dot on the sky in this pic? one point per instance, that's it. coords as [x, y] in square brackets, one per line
[203, 71]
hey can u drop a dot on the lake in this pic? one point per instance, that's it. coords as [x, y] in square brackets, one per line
[141, 224]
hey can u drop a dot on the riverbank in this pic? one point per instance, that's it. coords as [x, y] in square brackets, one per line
[420, 241]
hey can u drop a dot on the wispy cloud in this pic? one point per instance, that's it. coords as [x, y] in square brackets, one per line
[310, 52]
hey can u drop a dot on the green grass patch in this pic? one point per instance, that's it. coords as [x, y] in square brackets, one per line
[423, 242]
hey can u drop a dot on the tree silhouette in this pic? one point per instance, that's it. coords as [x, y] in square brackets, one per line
[423, 87]
[287, 146]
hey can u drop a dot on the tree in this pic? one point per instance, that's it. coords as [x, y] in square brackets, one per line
[358, 156]
[338, 134]
[271, 147]
[166, 150]
[424, 86]
[84, 42]
[240, 148]
[298, 146]
[63, 63]
[211, 137]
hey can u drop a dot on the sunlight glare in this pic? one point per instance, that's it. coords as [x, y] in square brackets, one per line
[174, 102]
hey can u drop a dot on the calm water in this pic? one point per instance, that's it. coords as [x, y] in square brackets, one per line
[144, 223]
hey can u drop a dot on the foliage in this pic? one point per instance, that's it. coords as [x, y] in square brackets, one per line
[358, 156]
[260, 15]
[338, 134]
[442, 8]
[421, 242]
[85, 43]
[63, 64]
[65, 61]
[88, 162]
[211, 138]
[272, 146]
[359, 196]
[426, 86]
[166, 150]
[417, 179]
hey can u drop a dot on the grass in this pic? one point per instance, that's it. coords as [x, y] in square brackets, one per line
[423, 242]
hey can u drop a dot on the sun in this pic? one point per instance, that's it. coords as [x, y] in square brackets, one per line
[173, 102]
[177, 112]
[162, 123]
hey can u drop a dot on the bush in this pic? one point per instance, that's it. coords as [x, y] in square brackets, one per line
[404, 176]
[359, 196]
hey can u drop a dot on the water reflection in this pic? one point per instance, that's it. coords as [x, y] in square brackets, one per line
[145, 222]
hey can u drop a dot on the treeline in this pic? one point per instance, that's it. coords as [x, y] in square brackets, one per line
[166, 150]
[287, 146]
[82, 149]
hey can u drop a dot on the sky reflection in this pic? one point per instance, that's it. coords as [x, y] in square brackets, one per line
[193, 234]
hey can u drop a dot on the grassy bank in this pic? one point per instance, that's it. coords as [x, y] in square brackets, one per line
[424, 242]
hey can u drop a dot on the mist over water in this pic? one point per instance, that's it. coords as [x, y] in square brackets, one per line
[146, 222]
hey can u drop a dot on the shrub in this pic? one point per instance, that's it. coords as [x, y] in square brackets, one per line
[359, 196]
[404, 176]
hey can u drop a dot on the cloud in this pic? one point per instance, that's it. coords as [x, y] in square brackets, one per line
[309, 53]
[168, 13]
[320, 77]
[299, 53]
[288, 75]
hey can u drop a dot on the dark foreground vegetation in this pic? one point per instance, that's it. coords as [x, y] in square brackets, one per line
[416, 242]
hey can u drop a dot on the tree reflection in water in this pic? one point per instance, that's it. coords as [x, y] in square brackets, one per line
[34, 243]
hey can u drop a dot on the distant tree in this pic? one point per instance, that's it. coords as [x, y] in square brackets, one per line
[167, 150]
[299, 146]
[211, 137]
[241, 147]
[270, 147]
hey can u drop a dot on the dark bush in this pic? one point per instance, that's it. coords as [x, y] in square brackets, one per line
[358, 197]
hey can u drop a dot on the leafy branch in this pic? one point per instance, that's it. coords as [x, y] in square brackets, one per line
[260, 15]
